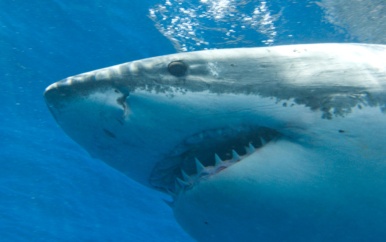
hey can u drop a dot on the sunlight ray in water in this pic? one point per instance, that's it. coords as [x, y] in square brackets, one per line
[362, 19]
[193, 25]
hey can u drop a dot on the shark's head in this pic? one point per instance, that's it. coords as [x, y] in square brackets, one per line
[211, 126]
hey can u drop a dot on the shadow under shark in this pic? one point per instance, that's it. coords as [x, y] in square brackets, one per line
[274, 143]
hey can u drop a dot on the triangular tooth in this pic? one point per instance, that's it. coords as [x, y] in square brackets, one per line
[177, 186]
[171, 193]
[182, 183]
[199, 166]
[185, 176]
[169, 203]
[263, 141]
[217, 160]
[235, 156]
[251, 148]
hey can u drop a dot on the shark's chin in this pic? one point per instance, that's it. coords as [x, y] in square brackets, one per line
[283, 191]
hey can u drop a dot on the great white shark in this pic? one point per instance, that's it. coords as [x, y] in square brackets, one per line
[283, 143]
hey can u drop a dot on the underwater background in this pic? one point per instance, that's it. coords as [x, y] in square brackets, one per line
[50, 188]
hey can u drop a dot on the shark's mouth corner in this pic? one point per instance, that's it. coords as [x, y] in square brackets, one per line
[207, 153]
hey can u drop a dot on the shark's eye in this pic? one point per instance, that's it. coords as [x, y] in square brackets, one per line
[177, 68]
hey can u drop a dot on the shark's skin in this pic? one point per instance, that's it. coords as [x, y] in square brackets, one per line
[313, 119]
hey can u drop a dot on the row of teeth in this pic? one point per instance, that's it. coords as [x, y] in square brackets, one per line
[204, 172]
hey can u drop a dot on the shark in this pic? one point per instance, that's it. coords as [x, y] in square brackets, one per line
[279, 143]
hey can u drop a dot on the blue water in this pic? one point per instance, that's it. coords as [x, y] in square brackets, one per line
[50, 188]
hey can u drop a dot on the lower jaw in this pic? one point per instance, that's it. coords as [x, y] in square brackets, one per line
[283, 192]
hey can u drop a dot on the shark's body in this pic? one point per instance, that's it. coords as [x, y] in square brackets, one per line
[276, 143]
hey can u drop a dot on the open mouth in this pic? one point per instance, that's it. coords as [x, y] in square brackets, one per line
[207, 153]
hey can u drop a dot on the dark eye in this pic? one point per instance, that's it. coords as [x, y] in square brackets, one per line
[177, 68]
